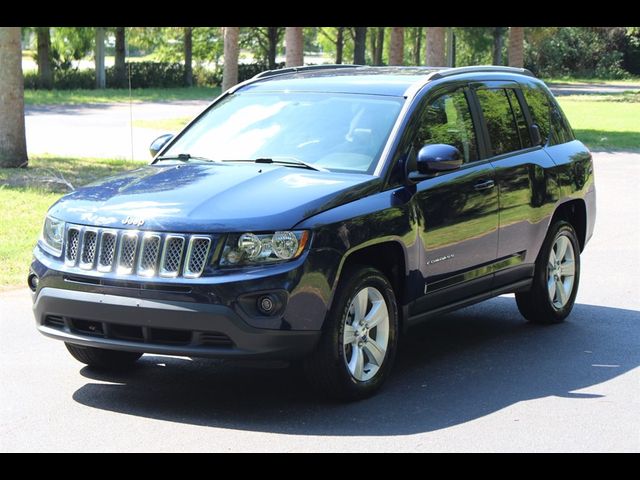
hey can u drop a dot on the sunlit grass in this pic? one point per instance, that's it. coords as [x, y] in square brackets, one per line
[166, 124]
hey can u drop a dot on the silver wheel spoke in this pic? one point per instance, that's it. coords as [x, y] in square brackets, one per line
[561, 294]
[552, 259]
[568, 269]
[349, 335]
[551, 286]
[377, 314]
[356, 365]
[561, 243]
[360, 304]
[374, 351]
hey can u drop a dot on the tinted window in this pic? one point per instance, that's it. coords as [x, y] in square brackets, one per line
[503, 131]
[523, 128]
[539, 108]
[560, 130]
[447, 119]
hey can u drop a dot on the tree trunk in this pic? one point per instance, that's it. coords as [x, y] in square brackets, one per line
[516, 47]
[188, 62]
[435, 47]
[377, 57]
[272, 35]
[45, 73]
[295, 46]
[497, 45]
[339, 44]
[231, 52]
[13, 143]
[99, 57]
[359, 45]
[396, 46]
[417, 47]
[119, 70]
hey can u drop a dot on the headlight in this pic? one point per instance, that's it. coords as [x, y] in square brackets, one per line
[52, 234]
[251, 249]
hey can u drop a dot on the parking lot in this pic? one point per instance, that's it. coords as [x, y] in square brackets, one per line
[480, 379]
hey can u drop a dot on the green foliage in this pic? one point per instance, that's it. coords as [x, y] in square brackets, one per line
[577, 51]
[70, 44]
[115, 95]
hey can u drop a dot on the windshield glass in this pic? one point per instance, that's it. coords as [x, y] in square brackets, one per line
[334, 131]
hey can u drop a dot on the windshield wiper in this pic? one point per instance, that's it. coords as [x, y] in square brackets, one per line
[290, 162]
[185, 157]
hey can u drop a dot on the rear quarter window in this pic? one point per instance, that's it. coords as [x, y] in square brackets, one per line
[538, 103]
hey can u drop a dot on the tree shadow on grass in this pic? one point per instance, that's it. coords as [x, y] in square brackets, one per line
[452, 370]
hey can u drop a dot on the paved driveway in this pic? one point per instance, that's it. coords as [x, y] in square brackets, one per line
[480, 379]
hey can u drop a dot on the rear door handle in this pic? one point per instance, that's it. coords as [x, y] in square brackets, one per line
[486, 185]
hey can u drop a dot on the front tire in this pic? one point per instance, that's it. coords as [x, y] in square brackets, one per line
[359, 340]
[555, 279]
[103, 359]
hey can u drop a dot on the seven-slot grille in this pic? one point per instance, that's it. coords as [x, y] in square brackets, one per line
[130, 252]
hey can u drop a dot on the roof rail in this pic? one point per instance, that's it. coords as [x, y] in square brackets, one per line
[480, 68]
[282, 71]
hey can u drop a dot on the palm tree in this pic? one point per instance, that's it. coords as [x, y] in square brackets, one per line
[13, 143]
[516, 47]
[295, 46]
[99, 58]
[396, 46]
[43, 58]
[188, 55]
[119, 69]
[231, 52]
[435, 47]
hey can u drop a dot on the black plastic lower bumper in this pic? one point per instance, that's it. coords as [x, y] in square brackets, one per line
[162, 327]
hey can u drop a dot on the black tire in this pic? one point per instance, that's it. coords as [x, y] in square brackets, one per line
[326, 369]
[103, 359]
[535, 304]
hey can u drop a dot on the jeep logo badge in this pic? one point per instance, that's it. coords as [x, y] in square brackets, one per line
[137, 221]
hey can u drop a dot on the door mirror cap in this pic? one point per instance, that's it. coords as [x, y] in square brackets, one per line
[159, 143]
[434, 159]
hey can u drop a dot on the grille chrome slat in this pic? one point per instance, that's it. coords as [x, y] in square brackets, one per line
[196, 257]
[148, 259]
[171, 255]
[133, 252]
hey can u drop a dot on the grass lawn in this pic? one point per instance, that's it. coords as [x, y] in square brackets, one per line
[167, 124]
[114, 95]
[573, 80]
[26, 194]
[605, 122]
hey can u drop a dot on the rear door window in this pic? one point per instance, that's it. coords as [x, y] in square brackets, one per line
[523, 128]
[500, 120]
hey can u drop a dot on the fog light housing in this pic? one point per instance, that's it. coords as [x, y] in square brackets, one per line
[267, 304]
[32, 281]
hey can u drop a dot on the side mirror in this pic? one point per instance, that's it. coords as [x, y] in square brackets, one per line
[536, 138]
[437, 158]
[159, 143]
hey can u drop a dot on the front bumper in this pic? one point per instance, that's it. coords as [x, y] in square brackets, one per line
[161, 326]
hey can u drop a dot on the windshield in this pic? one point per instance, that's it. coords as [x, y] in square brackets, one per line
[333, 131]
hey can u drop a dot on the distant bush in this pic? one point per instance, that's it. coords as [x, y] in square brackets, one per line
[144, 75]
[578, 52]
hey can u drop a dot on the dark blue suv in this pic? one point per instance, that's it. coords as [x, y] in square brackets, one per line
[314, 214]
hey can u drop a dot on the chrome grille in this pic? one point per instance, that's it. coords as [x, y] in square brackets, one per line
[127, 253]
[88, 254]
[149, 255]
[197, 256]
[171, 256]
[73, 238]
[107, 250]
[132, 252]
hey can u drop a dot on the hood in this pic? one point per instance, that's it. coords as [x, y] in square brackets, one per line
[197, 197]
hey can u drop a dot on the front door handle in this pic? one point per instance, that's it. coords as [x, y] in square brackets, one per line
[486, 185]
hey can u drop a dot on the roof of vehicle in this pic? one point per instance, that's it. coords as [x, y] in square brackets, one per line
[393, 81]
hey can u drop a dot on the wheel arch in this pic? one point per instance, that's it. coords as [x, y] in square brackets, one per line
[575, 212]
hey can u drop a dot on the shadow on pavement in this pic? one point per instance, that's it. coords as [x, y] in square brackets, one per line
[455, 369]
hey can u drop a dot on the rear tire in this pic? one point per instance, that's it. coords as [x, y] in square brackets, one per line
[555, 279]
[359, 340]
[103, 359]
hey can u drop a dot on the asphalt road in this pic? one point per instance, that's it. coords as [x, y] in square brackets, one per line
[480, 379]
